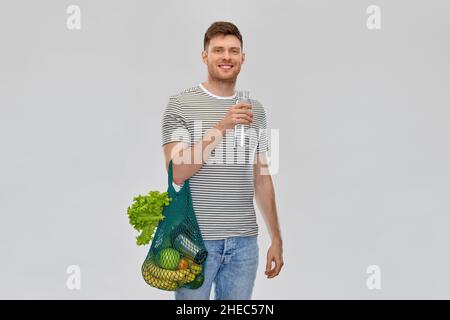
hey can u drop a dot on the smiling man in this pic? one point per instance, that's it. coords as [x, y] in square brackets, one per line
[223, 190]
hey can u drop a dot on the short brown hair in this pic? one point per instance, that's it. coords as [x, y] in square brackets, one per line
[221, 28]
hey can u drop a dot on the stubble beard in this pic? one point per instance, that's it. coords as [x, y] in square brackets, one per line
[216, 77]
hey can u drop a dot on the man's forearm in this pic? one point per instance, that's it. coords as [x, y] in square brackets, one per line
[188, 161]
[265, 200]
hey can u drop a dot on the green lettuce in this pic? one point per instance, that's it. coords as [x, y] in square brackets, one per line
[146, 212]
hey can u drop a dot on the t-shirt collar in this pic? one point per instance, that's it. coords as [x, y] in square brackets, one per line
[216, 96]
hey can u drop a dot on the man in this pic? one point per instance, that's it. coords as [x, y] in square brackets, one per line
[223, 190]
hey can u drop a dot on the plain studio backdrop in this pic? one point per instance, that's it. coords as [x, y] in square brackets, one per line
[363, 119]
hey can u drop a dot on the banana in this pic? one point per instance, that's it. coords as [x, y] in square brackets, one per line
[161, 284]
[189, 278]
[196, 268]
[164, 274]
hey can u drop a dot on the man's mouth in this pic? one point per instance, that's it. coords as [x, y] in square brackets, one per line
[225, 66]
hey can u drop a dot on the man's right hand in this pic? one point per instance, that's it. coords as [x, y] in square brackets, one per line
[240, 113]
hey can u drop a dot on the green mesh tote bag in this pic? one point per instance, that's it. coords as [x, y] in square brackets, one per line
[177, 253]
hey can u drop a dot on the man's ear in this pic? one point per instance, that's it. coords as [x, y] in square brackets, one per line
[204, 56]
[243, 57]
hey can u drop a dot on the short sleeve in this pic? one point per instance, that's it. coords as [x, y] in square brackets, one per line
[263, 141]
[173, 127]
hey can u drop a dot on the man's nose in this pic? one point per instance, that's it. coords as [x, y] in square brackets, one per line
[226, 55]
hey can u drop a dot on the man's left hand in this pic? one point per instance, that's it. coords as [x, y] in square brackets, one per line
[274, 254]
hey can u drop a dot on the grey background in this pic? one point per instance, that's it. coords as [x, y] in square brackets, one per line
[364, 140]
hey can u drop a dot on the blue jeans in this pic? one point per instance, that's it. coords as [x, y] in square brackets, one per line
[231, 265]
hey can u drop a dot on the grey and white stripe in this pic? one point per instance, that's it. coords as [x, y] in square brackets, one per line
[222, 190]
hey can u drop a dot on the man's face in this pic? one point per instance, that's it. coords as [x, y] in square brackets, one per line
[224, 57]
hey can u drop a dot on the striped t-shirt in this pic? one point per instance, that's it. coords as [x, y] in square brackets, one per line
[222, 190]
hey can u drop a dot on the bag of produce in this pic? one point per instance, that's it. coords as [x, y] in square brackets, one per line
[177, 254]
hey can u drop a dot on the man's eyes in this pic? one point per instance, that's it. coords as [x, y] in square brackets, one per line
[220, 50]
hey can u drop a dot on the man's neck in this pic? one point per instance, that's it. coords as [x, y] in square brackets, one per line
[222, 89]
